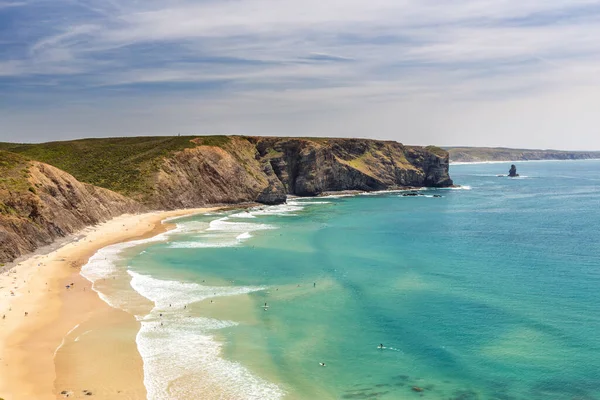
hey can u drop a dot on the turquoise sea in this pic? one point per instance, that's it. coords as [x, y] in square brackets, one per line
[491, 291]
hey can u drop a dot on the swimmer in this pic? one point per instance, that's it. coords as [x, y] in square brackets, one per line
[322, 364]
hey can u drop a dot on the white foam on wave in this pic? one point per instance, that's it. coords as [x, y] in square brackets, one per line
[226, 225]
[243, 236]
[222, 232]
[428, 196]
[181, 356]
[390, 191]
[462, 187]
[303, 202]
[244, 214]
[204, 245]
[283, 210]
[337, 196]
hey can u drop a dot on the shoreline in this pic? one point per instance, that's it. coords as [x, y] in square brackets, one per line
[39, 316]
[517, 161]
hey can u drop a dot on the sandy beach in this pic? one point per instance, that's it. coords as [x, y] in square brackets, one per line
[54, 339]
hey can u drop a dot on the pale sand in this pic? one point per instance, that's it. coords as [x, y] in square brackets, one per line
[71, 340]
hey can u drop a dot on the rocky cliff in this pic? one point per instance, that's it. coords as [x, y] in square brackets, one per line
[39, 202]
[266, 170]
[53, 205]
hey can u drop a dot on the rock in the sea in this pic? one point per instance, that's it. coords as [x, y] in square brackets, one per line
[513, 171]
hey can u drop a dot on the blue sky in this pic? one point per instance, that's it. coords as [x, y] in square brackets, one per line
[480, 72]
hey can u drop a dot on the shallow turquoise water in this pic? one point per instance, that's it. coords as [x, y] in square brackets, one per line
[487, 293]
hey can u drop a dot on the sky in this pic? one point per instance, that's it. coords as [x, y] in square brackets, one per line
[515, 73]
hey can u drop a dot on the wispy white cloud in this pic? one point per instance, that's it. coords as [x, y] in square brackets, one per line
[10, 4]
[283, 59]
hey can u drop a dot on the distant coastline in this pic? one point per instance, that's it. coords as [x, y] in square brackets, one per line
[501, 154]
[518, 161]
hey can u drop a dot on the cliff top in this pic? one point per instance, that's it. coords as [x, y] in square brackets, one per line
[118, 164]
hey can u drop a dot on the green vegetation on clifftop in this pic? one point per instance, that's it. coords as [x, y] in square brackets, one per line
[119, 164]
[14, 172]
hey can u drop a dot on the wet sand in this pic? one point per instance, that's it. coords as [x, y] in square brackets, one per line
[70, 340]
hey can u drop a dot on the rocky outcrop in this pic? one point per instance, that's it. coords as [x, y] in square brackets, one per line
[40, 203]
[55, 205]
[311, 167]
[265, 170]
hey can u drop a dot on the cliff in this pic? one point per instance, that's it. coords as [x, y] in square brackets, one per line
[40, 202]
[483, 154]
[266, 170]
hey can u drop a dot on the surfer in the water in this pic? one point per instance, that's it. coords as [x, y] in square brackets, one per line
[322, 364]
[380, 346]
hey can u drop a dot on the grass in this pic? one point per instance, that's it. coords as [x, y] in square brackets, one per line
[14, 172]
[272, 153]
[359, 163]
[120, 164]
[217, 141]
[14, 178]
[438, 151]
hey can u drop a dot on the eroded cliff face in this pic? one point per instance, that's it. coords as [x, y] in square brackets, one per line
[265, 170]
[239, 170]
[213, 175]
[311, 167]
[55, 206]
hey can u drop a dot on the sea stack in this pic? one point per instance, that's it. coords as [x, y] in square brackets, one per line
[513, 171]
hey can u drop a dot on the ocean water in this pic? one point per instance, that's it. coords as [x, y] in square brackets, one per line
[491, 291]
